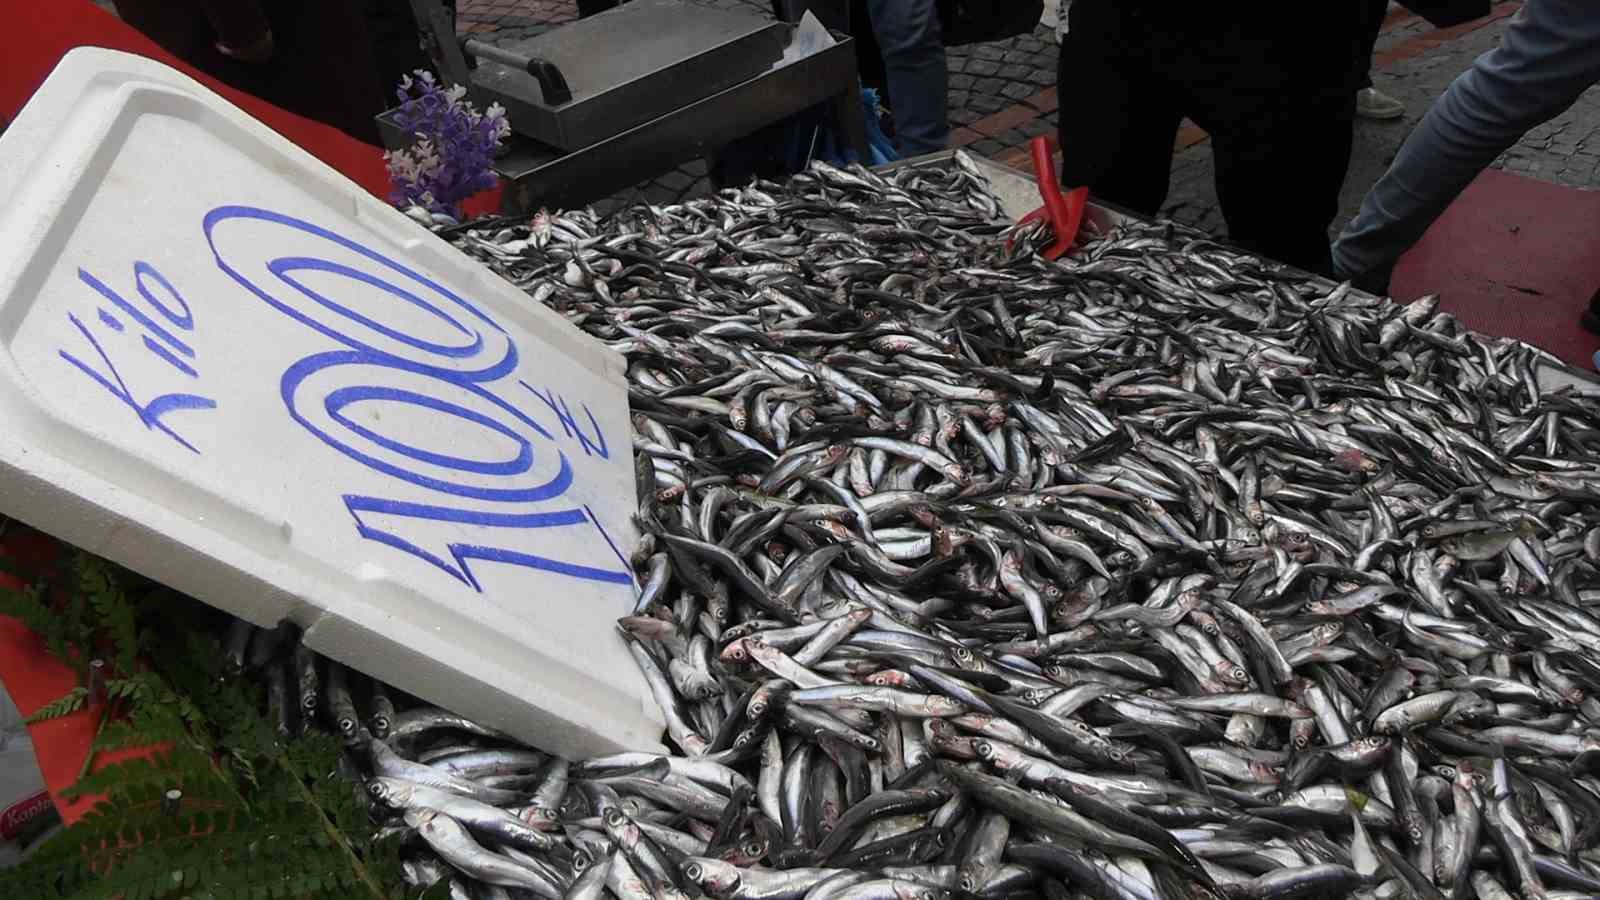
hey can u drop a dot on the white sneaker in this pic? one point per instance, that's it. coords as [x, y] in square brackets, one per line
[1372, 103]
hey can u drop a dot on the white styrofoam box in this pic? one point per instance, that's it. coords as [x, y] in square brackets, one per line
[27, 815]
[228, 367]
[10, 717]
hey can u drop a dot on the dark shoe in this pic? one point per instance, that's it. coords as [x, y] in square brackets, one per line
[1591, 316]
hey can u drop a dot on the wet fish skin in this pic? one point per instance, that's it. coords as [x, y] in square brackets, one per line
[1018, 469]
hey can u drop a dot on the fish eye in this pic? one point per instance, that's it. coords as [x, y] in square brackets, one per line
[693, 872]
[1446, 772]
[614, 816]
[755, 848]
[983, 748]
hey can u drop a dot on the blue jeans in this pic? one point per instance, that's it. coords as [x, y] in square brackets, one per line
[908, 35]
[1549, 56]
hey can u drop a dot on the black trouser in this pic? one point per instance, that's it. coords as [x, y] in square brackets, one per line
[396, 43]
[1272, 91]
[1373, 12]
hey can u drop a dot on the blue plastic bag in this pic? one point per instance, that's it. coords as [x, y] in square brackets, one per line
[830, 146]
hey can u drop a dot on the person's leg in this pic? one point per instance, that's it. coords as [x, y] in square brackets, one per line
[242, 29]
[1549, 55]
[1373, 13]
[177, 26]
[396, 43]
[908, 34]
[1279, 196]
[1372, 103]
[1119, 136]
[1280, 117]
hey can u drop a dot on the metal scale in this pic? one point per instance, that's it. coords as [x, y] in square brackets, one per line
[603, 103]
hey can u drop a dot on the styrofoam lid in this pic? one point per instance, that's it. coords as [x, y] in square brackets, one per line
[231, 369]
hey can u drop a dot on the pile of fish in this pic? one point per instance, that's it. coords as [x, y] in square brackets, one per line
[1161, 571]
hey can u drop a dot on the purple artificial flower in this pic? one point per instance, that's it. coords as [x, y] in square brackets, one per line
[454, 152]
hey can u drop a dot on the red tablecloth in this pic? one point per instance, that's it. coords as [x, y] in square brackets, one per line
[36, 36]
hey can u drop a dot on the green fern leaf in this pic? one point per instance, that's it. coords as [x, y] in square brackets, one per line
[65, 705]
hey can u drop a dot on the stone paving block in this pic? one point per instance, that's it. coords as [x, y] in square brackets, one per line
[1037, 128]
[964, 116]
[989, 147]
[1046, 100]
[675, 181]
[982, 67]
[961, 82]
[658, 194]
[987, 103]
[1005, 120]
[1016, 137]
[961, 137]
[1019, 92]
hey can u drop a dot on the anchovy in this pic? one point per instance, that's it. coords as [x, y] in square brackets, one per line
[1263, 566]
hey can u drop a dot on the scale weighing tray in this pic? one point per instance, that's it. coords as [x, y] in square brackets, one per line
[630, 65]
